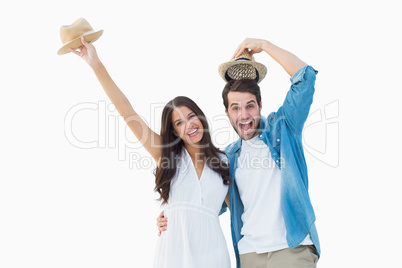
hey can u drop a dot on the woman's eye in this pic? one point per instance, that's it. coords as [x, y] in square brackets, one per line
[178, 124]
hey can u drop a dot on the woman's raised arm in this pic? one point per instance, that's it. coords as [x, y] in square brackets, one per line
[148, 138]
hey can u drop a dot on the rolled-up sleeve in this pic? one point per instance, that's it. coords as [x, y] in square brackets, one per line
[299, 98]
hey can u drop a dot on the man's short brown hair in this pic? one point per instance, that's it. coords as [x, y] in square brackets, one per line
[242, 85]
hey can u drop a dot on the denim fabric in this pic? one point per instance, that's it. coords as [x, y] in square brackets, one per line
[282, 132]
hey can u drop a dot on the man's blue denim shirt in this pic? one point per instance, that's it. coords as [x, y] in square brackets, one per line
[282, 132]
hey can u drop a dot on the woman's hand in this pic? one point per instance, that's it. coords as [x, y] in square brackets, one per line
[87, 51]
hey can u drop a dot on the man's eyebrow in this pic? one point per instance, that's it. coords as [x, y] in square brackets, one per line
[236, 103]
[233, 103]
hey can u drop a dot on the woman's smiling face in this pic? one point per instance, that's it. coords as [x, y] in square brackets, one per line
[187, 125]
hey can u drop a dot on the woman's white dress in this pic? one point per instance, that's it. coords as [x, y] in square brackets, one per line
[194, 236]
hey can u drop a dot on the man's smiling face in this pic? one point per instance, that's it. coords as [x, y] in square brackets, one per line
[244, 114]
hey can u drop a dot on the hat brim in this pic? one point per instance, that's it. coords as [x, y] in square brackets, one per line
[76, 43]
[261, 69]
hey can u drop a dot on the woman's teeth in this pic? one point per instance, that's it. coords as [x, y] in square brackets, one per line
[193, 133]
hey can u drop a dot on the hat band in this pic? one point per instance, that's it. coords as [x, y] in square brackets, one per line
[241, 59]
[90, 32]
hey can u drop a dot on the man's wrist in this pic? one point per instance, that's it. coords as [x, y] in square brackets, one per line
[266, 45]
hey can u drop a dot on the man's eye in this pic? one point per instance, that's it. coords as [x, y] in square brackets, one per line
[250, 106]
[235, 108]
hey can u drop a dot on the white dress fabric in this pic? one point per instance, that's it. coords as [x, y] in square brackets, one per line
[194, 236]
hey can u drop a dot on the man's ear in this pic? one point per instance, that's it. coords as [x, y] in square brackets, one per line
[260, 105]
[226, 112]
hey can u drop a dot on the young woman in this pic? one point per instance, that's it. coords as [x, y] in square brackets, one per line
[192, 175]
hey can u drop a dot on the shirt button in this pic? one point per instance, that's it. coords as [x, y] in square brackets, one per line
[278, 140]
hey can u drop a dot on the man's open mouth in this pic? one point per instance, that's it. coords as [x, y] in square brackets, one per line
[246, 126]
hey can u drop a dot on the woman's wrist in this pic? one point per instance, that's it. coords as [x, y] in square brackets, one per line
[96, 64]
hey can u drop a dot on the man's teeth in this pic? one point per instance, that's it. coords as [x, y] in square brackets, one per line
[245, 126]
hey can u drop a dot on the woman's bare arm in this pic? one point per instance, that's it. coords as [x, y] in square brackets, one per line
[148, 138]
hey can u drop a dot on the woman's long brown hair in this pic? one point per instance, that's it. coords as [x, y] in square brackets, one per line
[172, 147]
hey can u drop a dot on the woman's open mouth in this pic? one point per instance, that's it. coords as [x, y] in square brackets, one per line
[193, 133]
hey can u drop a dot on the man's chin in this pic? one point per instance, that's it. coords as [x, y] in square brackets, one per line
[247, 135]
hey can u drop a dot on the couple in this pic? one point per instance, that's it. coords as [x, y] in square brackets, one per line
[272, 219]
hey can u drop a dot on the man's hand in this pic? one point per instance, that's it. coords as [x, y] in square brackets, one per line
[161, 222]
[286, 59]
[254, 45]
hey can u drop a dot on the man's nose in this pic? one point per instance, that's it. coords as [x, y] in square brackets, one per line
[244, 113]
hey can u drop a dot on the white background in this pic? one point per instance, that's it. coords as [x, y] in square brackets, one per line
[65, 206]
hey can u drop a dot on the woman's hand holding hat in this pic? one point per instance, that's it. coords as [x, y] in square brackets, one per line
[87, 51]
[71, 35]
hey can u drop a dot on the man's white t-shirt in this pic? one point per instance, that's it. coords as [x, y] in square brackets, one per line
[259, 182]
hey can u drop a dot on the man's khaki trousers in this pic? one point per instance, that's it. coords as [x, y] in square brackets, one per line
[299, 257]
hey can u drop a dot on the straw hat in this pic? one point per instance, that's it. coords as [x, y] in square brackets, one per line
[242, 67]
[71, 35]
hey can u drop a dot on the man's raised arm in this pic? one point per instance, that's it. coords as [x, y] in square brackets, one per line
[290, 62]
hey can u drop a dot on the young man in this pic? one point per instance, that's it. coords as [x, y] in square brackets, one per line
[272, 218]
